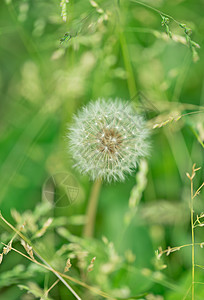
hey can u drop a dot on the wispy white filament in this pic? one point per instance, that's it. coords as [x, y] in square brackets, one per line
[107, 139]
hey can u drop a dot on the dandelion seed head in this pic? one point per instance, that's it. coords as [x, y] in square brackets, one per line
[107, 139]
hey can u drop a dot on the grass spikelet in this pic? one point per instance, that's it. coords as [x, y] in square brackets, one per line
[28, 249]
[68, 265]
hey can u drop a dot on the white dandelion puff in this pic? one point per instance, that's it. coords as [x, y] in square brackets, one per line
[107, 139]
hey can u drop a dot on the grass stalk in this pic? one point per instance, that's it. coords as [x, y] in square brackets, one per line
[46, 266]
[193, 243]
[126, 57]
[194, 169]
[40, 257]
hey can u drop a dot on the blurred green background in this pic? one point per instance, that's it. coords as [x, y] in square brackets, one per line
[49, 69]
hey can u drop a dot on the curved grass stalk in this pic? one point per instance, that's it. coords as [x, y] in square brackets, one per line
[156, 10]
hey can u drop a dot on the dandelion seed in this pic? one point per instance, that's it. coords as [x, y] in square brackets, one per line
[109, 147]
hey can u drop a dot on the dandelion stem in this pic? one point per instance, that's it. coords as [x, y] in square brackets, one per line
[92, 208]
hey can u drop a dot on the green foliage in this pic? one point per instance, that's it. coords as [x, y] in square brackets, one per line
[16, 275]
[35, 290]
[54, 60]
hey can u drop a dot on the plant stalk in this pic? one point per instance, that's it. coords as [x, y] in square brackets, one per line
[193, 244]
[126, 56]
[92, 208]
[40, 257]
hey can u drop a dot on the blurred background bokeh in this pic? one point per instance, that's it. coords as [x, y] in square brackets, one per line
[52, 65]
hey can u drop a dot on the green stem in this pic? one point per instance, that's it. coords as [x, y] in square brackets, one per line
[193, 244]
[92, 208]
[39, 256]
[126, 57]
[130, 75]
[156, 10]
